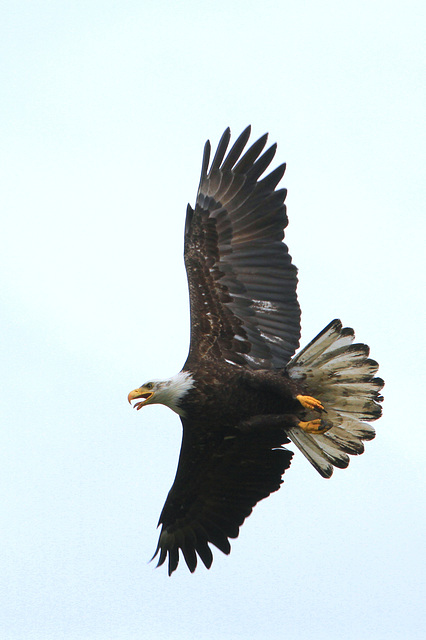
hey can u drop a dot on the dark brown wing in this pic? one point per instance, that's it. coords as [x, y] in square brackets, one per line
[219, 480]
[242, 283]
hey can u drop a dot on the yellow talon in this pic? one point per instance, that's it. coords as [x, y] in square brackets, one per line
[308, 402]
[317, 426]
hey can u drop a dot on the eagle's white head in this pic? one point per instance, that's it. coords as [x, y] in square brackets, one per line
[168, 392]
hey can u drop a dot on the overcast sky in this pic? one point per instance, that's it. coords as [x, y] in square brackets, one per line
[105, 108]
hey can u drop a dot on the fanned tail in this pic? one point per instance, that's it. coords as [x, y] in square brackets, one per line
[342, 376]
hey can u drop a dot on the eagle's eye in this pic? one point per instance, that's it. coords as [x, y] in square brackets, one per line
[149, 385]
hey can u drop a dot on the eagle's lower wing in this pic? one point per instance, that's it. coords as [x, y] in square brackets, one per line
[242, 283]
[220, 478]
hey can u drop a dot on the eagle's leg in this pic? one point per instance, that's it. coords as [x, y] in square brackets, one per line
[317, 426]
[308, 402]
[271, 421]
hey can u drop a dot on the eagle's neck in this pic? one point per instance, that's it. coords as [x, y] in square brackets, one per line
[174, 390]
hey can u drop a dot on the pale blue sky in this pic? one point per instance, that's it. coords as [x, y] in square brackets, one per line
[105, 108]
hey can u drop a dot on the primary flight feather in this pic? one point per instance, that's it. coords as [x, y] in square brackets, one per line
[241, 395]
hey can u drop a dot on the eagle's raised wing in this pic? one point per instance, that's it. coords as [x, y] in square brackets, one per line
[242, 283]
[221, 476]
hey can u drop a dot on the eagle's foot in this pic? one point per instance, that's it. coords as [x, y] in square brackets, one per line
[317, 426]
[308, 402]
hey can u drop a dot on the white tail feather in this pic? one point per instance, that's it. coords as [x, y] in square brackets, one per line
[341, 375]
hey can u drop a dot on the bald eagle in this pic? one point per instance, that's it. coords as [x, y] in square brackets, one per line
[241, 395]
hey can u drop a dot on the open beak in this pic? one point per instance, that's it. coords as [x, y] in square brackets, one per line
[143, 393]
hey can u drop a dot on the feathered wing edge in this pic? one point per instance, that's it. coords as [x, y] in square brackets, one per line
[341, 375]
[241, 279]
[219, 493]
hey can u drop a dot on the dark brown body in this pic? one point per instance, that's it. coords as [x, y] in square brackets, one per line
[230, 395]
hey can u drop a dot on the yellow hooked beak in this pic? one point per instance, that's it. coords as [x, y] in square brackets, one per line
[143, 393]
